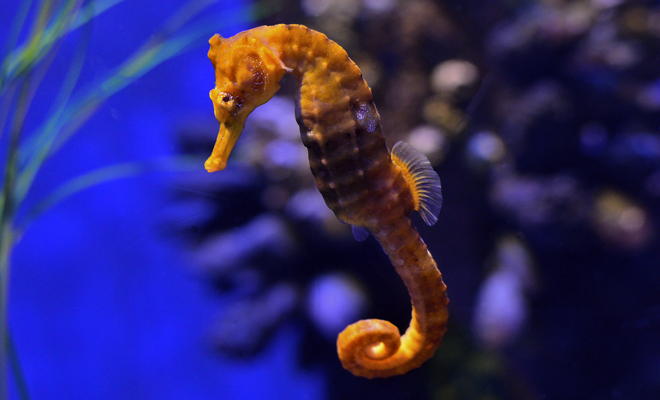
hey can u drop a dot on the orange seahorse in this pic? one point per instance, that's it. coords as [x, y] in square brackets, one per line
[361, 181]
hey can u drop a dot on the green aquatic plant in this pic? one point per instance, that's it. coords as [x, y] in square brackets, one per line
[36, 34]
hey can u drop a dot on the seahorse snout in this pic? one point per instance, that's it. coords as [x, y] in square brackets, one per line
[227, 137]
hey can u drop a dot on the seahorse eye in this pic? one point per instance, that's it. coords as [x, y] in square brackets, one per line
[229, 102]
[225, 100]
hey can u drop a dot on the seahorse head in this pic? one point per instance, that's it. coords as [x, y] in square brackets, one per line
[247, 74]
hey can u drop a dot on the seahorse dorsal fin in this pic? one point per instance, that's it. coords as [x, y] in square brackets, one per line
[423, 180]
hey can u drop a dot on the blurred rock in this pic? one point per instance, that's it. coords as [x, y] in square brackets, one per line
[335, 301]
[265, 235]
[452, 77]
[430, 141]
[621, 222]
[484, 150]
[245, 325]
[502, 308]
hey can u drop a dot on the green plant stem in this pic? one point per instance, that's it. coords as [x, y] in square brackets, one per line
[10, 44]
[7, 213]
[7, 231]
[6, 245]
[16, 367]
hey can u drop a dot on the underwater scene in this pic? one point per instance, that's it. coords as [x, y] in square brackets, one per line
[330, 199]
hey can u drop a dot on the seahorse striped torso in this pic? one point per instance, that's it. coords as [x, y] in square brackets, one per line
[360, 181]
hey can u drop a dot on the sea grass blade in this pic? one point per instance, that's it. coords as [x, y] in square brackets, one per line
[6, 225]
[36, 47]
[63, 96]
[107, 174]
[10, 44]
[15, 365]
[66, 20]
[92, 10]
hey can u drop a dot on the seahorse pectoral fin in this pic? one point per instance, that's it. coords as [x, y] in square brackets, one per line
[360, 233]
[224, 144]
[423, 180]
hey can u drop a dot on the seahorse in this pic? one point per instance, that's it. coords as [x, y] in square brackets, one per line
[361, 181]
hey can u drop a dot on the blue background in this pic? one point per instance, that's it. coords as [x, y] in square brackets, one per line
[103, 304]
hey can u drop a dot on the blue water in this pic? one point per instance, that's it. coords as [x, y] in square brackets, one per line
[104, 305]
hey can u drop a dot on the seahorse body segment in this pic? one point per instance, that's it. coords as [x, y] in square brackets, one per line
[361, 182]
